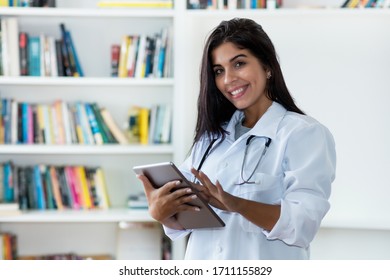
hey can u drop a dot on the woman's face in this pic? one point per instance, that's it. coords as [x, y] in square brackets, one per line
[241, 78]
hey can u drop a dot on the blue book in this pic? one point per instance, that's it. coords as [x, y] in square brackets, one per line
[41, 201]
[97, 135]
[8, 182]
[34, 56]
[72, 51]
[24, 123]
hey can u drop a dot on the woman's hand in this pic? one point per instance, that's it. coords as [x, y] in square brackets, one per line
[214, 194]
[166, 202]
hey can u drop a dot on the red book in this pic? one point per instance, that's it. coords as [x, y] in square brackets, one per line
[23, 44]
[115, 51]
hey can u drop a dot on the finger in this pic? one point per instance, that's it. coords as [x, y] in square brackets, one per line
[145, 181]
[205, 180]
[219, 187]
[181, 192]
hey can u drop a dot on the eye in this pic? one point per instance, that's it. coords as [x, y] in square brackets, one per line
[217, 71]
[239, 64]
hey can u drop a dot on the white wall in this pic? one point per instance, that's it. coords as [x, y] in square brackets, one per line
[337, 65]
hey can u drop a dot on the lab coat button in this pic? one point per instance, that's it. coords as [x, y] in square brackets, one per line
[219, 249]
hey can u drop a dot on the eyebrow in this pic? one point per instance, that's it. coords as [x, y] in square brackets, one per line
[232, 59]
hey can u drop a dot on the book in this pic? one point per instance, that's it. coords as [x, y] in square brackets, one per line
[9, 209]
[34, 56]
[144, 125]
[101, 188]
[115, 54]
[46, 177]
[166, 4]
[74, 186]
[97, 135]
[132, 56]
[23, 53]
[133, 124]
[4, 47]
[122, 67]
[86, 201]
[112, 125]
[56, 188]
[141, 58]
[40, 193]
[79, 71]
[13, 46]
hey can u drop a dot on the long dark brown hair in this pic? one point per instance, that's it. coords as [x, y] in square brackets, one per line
[214, 110]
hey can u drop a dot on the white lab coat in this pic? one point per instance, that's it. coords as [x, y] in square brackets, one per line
[296, 172]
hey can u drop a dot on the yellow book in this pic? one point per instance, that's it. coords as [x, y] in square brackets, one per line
[144, 125]
[133, 124]
[60, 122]
[135, 4]
[85, 195]
[101, 188]
[4, 3]
[122, 67]
[41, 123]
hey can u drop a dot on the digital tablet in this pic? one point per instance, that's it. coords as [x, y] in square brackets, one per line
[161, 173]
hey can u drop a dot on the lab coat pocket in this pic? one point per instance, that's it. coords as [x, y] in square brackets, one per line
[266, 189]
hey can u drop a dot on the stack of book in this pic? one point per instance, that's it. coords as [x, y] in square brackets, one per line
[57, 123]
[134, 4]
[150, 125]
[43, 55]
[8, 246]
[233, 4]
[53, 187]
[28, 3]
[366, 4]
[142, 56]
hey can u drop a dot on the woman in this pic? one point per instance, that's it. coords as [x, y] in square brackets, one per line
[264, 165]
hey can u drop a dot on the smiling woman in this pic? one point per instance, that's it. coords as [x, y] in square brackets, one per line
[262, 164]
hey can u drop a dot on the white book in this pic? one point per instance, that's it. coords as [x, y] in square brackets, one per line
[13, 46]
[53, 56]
[66, 120]
[48, 130]
[140, 64]
[55, 124]
[167, 125]
[4, 46]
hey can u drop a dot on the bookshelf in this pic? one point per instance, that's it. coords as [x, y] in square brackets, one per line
[119, 229]
[305, 38]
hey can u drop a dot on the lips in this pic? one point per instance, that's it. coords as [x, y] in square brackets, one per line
[238, 92]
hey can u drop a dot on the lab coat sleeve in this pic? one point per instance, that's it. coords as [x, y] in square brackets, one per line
[309, 169]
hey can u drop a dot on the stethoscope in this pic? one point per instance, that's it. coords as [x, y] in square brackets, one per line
[247, 144]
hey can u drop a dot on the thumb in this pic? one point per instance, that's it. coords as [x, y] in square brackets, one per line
[145, 181]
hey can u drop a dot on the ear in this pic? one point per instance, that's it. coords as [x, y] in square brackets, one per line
[269, 75]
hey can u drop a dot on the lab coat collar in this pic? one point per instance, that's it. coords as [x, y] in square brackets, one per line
[266, 126]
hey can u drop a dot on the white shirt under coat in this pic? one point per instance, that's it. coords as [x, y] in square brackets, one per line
[296, 172]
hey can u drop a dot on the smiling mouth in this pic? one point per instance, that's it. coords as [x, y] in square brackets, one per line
[237, 91]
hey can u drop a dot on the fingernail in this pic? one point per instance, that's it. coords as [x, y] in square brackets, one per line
[194, 196]
[197, 209]
[188, 190]
[177, 183]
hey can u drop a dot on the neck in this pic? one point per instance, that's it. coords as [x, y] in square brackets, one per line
[253, 116]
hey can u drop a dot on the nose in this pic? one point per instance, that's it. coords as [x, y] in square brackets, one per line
[229, 77]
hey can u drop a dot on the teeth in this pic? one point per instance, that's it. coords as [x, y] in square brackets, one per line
[237, 91]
